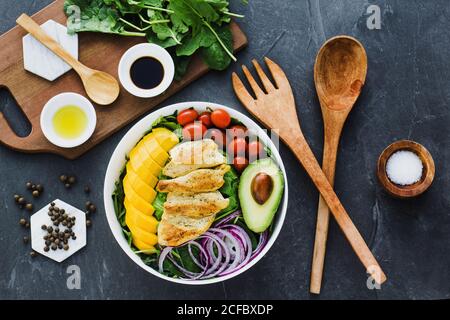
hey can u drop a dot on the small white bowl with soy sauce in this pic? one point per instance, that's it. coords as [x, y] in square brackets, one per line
[146, 70]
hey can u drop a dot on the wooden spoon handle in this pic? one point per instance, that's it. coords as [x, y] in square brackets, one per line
[36, 31]
[306, 157]
[331, 145]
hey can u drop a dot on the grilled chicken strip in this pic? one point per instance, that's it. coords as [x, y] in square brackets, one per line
[201, 180]
[195, 205]
[189, 156]
[174, 230]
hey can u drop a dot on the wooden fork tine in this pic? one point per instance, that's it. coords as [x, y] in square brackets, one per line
[255, 86]
[241, 91]
[277, 73]
[264, 79]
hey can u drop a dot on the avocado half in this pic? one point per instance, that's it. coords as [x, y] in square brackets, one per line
[257, 215]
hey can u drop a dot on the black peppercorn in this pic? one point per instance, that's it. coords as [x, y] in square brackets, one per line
[92, 208]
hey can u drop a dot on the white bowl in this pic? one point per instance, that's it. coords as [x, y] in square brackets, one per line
[146, 50]
[118, 161]
[55, 104]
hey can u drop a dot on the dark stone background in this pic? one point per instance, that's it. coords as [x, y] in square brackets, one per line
[406, 96]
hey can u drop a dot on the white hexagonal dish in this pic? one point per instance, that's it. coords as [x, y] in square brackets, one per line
[40, 60]
[37, 234]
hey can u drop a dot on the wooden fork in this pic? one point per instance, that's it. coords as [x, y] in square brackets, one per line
[275, 108]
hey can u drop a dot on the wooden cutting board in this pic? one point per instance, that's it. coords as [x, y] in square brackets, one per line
[98, 51]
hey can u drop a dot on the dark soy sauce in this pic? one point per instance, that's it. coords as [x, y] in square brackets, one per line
[147, 73]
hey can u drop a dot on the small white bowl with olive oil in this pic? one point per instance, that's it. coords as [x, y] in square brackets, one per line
[68, 120]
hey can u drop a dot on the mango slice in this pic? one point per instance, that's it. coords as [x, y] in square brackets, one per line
[139, 203]
[139, 219]
[143, 236]
[142, 246]
[154, 150]
[166, 138]
[139, 157]
[143, 174]
[142, 189]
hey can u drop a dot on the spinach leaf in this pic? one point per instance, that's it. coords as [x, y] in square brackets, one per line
[215, 56]
[94, 15]
[181, 65]
[203, 38]
[230, 191]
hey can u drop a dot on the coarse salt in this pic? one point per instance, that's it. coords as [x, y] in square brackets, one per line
[404, 168]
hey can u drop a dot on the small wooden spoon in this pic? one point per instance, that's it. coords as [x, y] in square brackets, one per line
[339, 74]
[100, 86]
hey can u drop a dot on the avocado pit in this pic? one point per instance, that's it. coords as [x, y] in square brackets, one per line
[262, 187]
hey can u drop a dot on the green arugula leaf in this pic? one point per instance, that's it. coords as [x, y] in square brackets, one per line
[158, 204]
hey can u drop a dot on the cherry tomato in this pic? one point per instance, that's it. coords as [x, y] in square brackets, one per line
[205, 118]
[187, 116]
[255, 150]
[217, 135]
[220, 118]
[240, 163]
[237, 131]
[237, 147]
[194, 131]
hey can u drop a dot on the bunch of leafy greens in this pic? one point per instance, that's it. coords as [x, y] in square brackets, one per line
[183, 26]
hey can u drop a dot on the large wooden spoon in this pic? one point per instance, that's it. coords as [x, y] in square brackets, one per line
[100, 86]
[339, 74]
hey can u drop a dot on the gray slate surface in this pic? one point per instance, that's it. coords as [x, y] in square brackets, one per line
[406, 96]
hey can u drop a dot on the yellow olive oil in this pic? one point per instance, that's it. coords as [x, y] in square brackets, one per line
[70, 122]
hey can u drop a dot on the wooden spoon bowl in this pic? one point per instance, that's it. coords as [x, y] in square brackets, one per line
[340, 72]
[412, 190]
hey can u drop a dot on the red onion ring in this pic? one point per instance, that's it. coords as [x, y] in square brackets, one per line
[224, 249]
